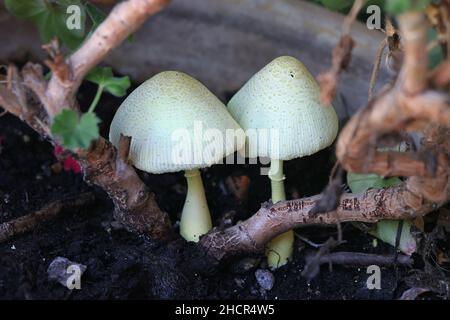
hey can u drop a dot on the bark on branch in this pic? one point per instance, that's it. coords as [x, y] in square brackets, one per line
[401, 202]
[123, 20]
[342, 54]
[407, 106]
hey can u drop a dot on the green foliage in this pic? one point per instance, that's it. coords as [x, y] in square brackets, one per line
[345, 5]
[386, 231]
[401, 6]
[78, 132]
[75, 132]
[435, 55]
[50, 18]
[105, 79]
[362, 182]
[337, 5]
[95, 14]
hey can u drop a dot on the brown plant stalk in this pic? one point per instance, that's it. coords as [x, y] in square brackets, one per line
[402, 202]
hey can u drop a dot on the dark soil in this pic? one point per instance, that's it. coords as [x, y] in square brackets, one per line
[121, 265]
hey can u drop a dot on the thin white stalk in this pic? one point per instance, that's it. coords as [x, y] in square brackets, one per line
[195, 218]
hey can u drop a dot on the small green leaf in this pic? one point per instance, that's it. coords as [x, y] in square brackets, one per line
[397, 6]
[51, 18]
[386, 231]
[435, 55]
[104, 77]
[74, 131]
[96, 15]
[362, 182]
[401, 6]
[337, 5]
[26, 9]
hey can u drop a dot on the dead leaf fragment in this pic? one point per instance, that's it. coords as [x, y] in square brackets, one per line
[413, 293]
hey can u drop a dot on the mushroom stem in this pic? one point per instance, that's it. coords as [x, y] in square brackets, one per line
[279, 249]
[277, 180]
[195, 217]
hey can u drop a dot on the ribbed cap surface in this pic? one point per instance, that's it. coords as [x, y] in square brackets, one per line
[284, 96]
[164, 117]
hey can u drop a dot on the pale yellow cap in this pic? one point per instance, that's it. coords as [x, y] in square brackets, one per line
[164, 115]
[284, 96]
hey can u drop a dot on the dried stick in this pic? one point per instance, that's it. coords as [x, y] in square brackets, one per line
[30, 221]
[401, 202]
[352, 15]
[376, 67]
[413, 76]
[341, 57]
[364, 259]
[314, 261]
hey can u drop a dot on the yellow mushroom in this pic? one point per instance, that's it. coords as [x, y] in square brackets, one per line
[283, 98]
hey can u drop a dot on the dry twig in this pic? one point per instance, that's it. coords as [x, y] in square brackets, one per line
[30, 221]
[341, 57]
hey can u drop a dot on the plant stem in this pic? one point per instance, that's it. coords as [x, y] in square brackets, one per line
[277, 180]
[279, 249]
[195, 217]
[94, 102]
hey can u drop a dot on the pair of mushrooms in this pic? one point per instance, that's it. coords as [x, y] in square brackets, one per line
[283, 96]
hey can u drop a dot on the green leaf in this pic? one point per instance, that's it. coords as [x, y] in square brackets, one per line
[397, 6]
[362, 182]
[337, 5]
[104, 77]
[74, 131]
[96, 15]
[26, 9]
[435, 55]
[51, 18]
[401, 6]
[386, 231]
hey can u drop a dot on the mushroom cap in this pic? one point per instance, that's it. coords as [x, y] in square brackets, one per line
[284, 96]
[173, 121]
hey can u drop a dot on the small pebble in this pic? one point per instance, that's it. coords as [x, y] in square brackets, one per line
[239, 282]
[116, 225]
[374, 243]
[59, 271]
[265, 279]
